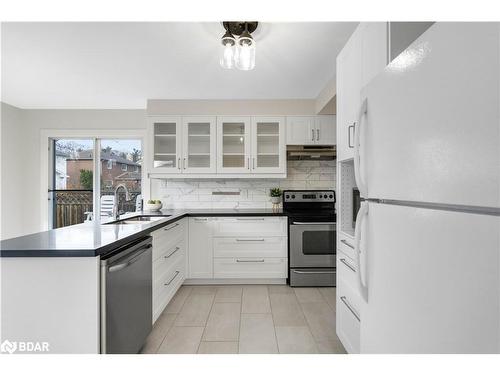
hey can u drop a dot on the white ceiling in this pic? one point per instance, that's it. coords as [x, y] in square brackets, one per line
[121, 65]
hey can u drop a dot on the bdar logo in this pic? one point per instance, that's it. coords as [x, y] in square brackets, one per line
[8, 347]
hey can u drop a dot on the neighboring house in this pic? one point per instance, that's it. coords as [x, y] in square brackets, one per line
[61, 175]
[115, 170]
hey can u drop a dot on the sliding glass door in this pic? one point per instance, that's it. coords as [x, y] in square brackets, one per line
[88, 176]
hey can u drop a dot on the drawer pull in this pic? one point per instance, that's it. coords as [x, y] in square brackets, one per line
[172, 227]
[250, 261]
[197, 219]
[348, 265]
[351, 309]
[250, 240]
[172, 279]
[250, 219]
[347, 244]
[313, 272]
[177, 248]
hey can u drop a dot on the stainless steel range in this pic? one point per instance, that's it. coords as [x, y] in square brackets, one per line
[312, 236]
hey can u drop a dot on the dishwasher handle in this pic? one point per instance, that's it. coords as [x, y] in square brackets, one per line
[129, 259]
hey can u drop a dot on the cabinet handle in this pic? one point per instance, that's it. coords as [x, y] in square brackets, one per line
[351, 309]
[172, 279]
[312, 139]
[314, 272]
[248, 163]
[348, 265]
[250, 261]
[205, 219]
[172, 227]
[184, 164]
[250, 240]
[251, 219]
[317, 134]
[347, 244]
[179, 163]
[177, 248]
[349, 134]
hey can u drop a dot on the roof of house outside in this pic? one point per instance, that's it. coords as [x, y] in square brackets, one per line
[87, 155]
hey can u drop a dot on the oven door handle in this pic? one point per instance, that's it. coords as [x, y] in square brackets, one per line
[313, 272]
[313, 223]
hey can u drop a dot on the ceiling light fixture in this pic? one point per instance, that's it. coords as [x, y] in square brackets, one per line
[239, 53]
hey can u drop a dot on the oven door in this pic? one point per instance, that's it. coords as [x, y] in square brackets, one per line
[312, 244]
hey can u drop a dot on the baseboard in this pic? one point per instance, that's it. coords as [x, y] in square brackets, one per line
[233, 281]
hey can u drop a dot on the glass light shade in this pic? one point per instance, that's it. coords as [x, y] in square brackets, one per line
[245, 58]
[228, 52]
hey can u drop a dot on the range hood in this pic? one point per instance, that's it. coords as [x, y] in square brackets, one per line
[311, 153]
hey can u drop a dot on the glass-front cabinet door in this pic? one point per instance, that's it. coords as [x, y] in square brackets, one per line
[166, 144]
[268, 145]
[199, 144]
[233, 154]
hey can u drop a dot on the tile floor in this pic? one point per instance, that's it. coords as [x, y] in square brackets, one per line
[234, 319]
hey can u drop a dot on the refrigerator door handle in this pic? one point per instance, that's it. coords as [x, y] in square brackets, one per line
[361, 276]
[361, 184]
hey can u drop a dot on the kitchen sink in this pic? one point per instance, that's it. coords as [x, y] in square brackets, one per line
[138, 219]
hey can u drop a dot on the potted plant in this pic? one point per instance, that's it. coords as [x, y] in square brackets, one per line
[275, 194]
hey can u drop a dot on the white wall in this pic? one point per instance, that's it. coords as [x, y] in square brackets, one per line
[21, 176]
[15, 167]
[326, 101]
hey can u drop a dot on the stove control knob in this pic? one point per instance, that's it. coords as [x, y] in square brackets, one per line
[293, 196]
[287, 196]
[331, 196]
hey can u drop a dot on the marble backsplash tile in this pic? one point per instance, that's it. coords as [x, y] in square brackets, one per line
[250, 193]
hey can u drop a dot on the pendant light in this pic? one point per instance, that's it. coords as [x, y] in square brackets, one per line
[228, 52]
[238, 52]
[245, 51]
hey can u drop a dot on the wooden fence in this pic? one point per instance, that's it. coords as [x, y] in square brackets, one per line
[71, 206]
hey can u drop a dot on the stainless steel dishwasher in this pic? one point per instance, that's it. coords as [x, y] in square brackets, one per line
[126, 298]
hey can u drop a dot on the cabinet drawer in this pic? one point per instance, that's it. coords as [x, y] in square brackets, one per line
[346, 245]
[266, 247]
[348, 317]
[250, 226]
[168, 259]
[241, 268]
[165, 287]
[347, 271]
[164, 238]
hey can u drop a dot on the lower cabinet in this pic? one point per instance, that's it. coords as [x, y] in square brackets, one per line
[169, 263]
[200, 254]
[238, 248]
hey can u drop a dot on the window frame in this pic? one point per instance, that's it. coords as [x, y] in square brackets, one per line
[47, 159]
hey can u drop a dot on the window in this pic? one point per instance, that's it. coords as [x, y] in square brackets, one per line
[75, 171]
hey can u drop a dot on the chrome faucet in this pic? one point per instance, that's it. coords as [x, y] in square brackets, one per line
[116, 213]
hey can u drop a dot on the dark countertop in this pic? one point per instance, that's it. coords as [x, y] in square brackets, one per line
[95, 238]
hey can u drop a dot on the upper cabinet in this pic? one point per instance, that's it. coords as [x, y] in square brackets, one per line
[362, 58]
[251, 145]
[199, 144]
[268, 145]
[183, 145]
[233, 152]
[311, 130]
[209, 146]
[165, 138]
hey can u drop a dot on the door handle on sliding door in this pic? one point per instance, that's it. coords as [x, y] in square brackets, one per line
[358, 176]
[361, 276]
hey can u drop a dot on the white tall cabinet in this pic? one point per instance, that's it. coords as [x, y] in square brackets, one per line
[363, 57]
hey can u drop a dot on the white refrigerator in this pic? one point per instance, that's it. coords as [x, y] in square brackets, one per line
[427, 162]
